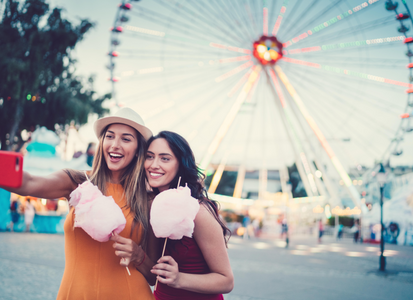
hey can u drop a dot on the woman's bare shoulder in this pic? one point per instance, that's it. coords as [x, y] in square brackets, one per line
[204, 215]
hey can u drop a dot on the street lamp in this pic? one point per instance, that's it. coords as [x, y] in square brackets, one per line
[381, 179]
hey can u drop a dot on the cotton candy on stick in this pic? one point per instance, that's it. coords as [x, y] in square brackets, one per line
[98, 215]
[172, 215]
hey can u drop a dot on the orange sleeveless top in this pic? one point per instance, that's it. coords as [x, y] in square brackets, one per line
[92, 269]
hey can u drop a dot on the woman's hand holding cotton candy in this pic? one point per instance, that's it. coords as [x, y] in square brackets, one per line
[167, 271]
[127, 249]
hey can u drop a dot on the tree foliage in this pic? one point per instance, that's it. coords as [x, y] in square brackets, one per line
[37, 83]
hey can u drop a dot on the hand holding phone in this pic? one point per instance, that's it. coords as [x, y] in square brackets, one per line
[11, 169]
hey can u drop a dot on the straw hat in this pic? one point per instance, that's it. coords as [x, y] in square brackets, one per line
[125, 116]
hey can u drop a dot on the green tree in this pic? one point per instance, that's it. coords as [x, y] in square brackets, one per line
[37, 83]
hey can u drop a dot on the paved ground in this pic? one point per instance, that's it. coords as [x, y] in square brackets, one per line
[31, 267]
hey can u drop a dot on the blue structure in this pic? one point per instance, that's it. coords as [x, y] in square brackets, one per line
[41, 223]
[5, 217]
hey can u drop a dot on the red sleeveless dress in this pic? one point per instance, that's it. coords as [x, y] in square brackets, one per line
[190, 260]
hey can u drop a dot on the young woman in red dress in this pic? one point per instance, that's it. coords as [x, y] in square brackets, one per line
[192, 268]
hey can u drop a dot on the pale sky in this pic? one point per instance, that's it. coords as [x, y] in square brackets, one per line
[171, 79]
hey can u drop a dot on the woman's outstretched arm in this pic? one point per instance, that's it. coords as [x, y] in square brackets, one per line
[55, 185]
[209, 237]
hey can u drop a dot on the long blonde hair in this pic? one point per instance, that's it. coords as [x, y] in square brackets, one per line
[132, 181]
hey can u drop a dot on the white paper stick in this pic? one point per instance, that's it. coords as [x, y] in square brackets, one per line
[163, 252]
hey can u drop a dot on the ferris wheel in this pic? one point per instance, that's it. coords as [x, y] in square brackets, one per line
[258, 85]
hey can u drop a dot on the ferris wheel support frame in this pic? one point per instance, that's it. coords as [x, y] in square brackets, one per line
[333, 199]
[292, 137]
[335, 161]
[240, 182]
[287, 115]
[218, 175]
[287, 112]
[328, 185]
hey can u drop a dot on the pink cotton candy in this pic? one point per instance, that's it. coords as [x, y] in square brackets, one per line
[173, 212]
[96, 214]
[87, 190]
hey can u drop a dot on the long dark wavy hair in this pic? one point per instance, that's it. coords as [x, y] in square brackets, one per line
[190, 174]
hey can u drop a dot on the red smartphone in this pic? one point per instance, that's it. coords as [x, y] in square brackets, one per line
[11, 169]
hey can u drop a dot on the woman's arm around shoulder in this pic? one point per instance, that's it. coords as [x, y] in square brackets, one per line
[55, 185]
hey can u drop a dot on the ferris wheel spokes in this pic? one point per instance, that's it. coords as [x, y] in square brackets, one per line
[322, 110]
[251, 94]
[332, 191]
[340, 169]
[230, 48]
[189, 80]
[265, 21]
[242, 80]
[242, 169]
[356, 29]
[193, 43]
[280, 18]
[234, 59]
[229, 119]
[307, 175]
[215, 18]
[175, 104]
[310, 169]
[352, 102]
[234, 71]
[316, 17]
[187, 29]
[149, 93]
[294, 23]
[336, 84]
[227, 14]
[346, 45]
[328, 23]
[347, 72]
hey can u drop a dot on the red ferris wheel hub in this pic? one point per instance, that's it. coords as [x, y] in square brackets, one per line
[267, 50]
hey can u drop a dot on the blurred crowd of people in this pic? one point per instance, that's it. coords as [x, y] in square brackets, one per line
[17, 209]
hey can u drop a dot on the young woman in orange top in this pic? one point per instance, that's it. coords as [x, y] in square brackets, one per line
[96, 270]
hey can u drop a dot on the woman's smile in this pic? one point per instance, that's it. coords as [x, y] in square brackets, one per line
[155, 175]
[115, 157]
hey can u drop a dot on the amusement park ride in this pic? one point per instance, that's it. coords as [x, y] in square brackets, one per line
[306, 74]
